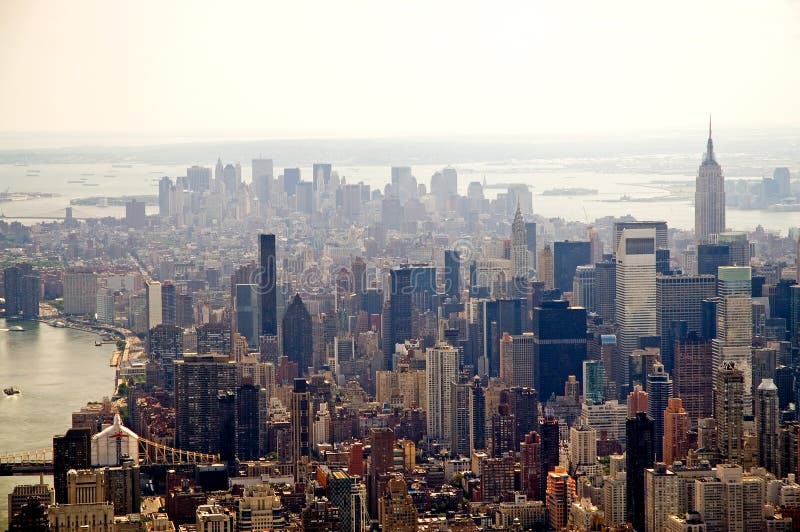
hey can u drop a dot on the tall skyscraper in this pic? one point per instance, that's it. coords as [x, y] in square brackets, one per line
[605, 290]
[155, 315]
[251, 416]
[659, 391]
[452, 274]
[767, 424]
[549, 432]
[267, 280]
[636, 292]
[520, 258]
[676, 432]
[559, 345]
[709, 196]
[680, 298]
[396, 507]
[729, 412]
[248, 322]
[297, 332]
[712, 256]
[517, 360]
[301, 412]
[263, 179]
[73, 450]
[639, 453]
[441, 368]
[660, 497]
[413, 288]
[530, 240]
[477, 410]
[583, 290]
[544, 270]
[164, 188]
[461, 424]
[660, 228]
[567, 256]
[165, 346]
[201, 384]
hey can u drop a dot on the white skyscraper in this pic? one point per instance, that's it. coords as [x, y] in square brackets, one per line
[154, 314]
[441, 368]
[636, 290]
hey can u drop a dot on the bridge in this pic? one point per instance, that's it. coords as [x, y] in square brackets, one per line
[150, 453]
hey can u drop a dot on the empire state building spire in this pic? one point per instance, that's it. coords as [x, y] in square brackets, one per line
[709, 196]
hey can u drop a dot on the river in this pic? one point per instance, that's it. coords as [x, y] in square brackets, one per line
[58, 371]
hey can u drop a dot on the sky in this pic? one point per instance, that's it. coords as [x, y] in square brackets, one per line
[350, 69]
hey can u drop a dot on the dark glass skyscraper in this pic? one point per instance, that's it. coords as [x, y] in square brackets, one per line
[712, 256]
[165, 345]
[266, 285]
[530, 240]
[73, 450]
[249, 416]
[495, 318]
[297, 335]
[452, 274]
[639, 453]
[559, 346]
[567, 256]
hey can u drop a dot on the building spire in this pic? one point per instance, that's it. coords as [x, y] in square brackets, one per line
[709, 156]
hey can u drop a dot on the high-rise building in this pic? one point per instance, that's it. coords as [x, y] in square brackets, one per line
[22, 291]
[660, 497]
[135, 215]
[291, 177]
[501, 428]
[517, 360]
[214, 338]
[561, 494]
[583, 289]
[155, 315]
[582, 448]
[544, 270]
[680, 298]
[530, 457]
[248, 322]
[709, 196]
[168, 303]
[201, 383]
[712, 256]
[659, 391]
[302, 416]
[636, 293]
[496, 317]
[413, 288]
[550, 434]
[525, 408]
[165, 346]
[659, 227]
[734, 326]
[321, 175]
[477, 410]
[164, 188]
[251, 416]
[80, 290]
[639, 454]
[461, 424]
[396, 507]
[676, 432]
[381, 464]
[267, 280]
[441, 367]
[767, 424]
[452, 274]
[263, 179]
[567, 256]
[73, 450]
[530, 241]
[738, 247]
[559, 345]
[199, 178]
[594, 381]
[520, 258]
[297, 335]
[729, 392]
[605, 290]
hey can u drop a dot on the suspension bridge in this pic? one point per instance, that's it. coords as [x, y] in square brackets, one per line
[150, 453]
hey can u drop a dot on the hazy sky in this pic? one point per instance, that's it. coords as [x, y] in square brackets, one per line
[339, 68]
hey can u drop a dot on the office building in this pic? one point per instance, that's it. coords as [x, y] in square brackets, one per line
[636, 294]
[460, 430]
[660, 228]
[693, 368]
[710, 257]
[43, 493]
[544, 270]
[567, 256]
[559, 497]
[639, 454]
[441, 367]
[477, 410]
[583, 289]
[165, 346]
[659, 391]
[452, 274]
[201, 384]
[767, 417]
[97, 517]
[738, 247]
[550, 457]
[301, 417]
[263, 181]
[248, 320]
[559, 345]
[135, 216]
[530, 241]
[676, 432]
[267, 280]
[517, 360]
[729, 394]
[251, 421]
[297, 335]
[594, 381]
[123, 487]
[680, 298]
[155, 302]
[520, 257]
[709, 197]
[214, 338]
[73, 450]
[22, 291]
[396, 507]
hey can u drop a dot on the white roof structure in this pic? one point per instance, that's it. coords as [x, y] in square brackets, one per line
[113, 442]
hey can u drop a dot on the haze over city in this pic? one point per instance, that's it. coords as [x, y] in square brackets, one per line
[399, 267]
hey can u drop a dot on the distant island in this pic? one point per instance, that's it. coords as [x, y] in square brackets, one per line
[104, 201]
[570, 192]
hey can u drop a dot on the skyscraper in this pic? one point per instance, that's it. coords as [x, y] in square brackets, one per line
[200, 383]
[460, 421]
[567, 256]
[680, 298]
[676, 432]
[263, 179]
[517, 360]
[496, 317]
[452, 274]
[559, 345]
[767, 424]
[520, 258]
[709, 196]
[155, 314]
[477, 410]
[441, 368]
[605, 290]
[530, 240]
[165, 345]
[729, 411]
[164, 187]
[302, 416]
[583, 290]
[659, 391]
[73, 450]
[660, 496]
[636, 292]
[267, 280]
[544, 270]
[712, 256]
[639, 448]
[251, 416]
[297, 335]
[248, 322]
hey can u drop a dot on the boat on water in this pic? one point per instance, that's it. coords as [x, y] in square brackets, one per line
[16, 328]
[121, 166]
[58, 324]
[11, 391]
[98, 343]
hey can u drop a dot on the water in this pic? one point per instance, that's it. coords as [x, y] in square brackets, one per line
[57, 371]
